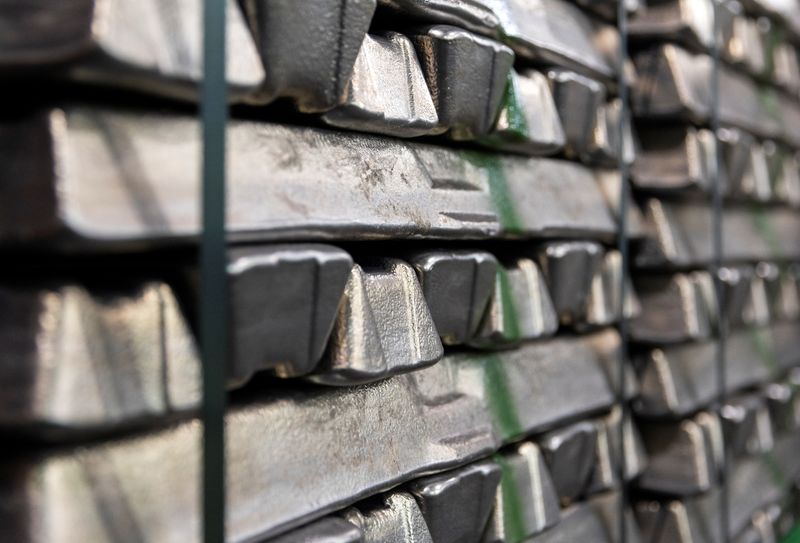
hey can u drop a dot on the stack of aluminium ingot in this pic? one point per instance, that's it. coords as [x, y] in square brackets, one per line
[716, 344]
[422, 208]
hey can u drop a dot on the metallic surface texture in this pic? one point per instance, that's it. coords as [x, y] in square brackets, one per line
[326, 530]
[674, 159]
[296, 465]
[466, 75]
[674, 82]
[683, 456]
[526, 503]
[387, 93]
[525, 392]
[746, 425]
[277, 321]
[528, 121]
[608, 455]
[569, 454]
[148, 45]
[578, 99]
[555, 32]
[569, 269]
[76, 358]
[110, 166]
[396, 520]
[457, 286]
[520, 307]
[457, 504]
[674, 309]
[687, 21]
[680, 379]
[383, 327]
[308, 47]
[578, 523]
[680, 234]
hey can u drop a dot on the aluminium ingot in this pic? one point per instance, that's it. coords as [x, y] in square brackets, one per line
[466, 75]
[607, 508]
[674, 82]
[606, 343]
[528, 121]
[753, 484]
[151, 46]
[283, 301]
[683, 456]
[609, 181]
[128, 179]
[675, 159]
[609, 456]
[746, 425]
[569, 454]
[475, 15]
[80, 358]
[383, 327]
[687, 21]
[604, 145]
[608, 8]
[743, 40]
[578, 522]
[327, 530]
[681, 236]
[784, 173]
[578, 99]
[783, 402]
[308, 47]
[569, 268]
[457, 285]
[555, 32]
[305, 463]
[674, 310]
[397, 518]
[387, 93]
[525, 392]
[604, 303]
[677, 380]
[519, 309]
[526, 502]
[457, 504]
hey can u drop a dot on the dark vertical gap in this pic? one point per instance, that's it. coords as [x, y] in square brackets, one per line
[716, 225]
[213, 284]
[622, 246]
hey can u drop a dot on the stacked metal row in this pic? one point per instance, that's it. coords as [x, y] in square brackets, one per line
[422, 332]
[695, 441]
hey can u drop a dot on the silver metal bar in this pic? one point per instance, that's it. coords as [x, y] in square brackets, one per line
[457, 504]
[140, 187]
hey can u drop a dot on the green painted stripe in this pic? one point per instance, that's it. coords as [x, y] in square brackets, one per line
[515, 111]
[498, 392]
[794, 535]
[498, 189]
[511, 329]
[766, 353]
[513, 510]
